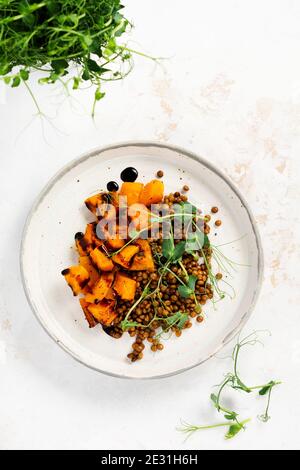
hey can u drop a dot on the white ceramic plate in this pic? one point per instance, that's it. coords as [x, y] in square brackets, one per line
[59, 213]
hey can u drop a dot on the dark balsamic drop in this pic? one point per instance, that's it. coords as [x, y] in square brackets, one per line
[79, 236]
[110, 330]
[112, 186]
[129, 175]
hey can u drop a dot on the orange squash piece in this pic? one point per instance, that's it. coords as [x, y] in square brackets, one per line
[101, 261]
[111, 295]
[125, 286]
[77, 278]
[85, 261]
[115, 243]
[107, 211]
[93, 202]
[143, 261]
[152, 193]
[100, 289]
[87, 242]
[89, 317]
[103, 312]
[90, 235]
[126, 254]
[139, 215]
[132, 191]
[81, 246]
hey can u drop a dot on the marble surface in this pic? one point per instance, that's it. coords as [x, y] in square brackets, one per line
[229, 90]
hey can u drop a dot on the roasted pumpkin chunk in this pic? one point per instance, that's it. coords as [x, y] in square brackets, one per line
[81, 245]
[110, 294]
[107, 211]
[91, 235]
[101, 288]
[101, 260]
[89, 317]
[132, 191]
[125, 286]
[115, 243]
[93, 202]
[86, 262]
[152, 193]
[77, 278]
[126, 254]
[103, 312]
[139, 215]
[88, 241]
[143, 260]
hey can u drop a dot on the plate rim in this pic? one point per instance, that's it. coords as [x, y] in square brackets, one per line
[142, 143]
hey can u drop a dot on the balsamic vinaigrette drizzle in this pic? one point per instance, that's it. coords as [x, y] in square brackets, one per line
[129, 175]
[112, 186]
[79, 235]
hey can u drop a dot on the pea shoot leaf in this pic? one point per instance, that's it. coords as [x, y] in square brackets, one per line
[172, 252]
[59, 65]
[178, 251]
[168, 247]
[231, 416]
[126, 324]
[214, 399]
[187, 290]
[179, 319]
[184, 291]
[24, 74]
[267, 388]
[233, 430]
[192, 282]
[196, 241]
[99, 95]
[239, 385]
[16, 82]
[187, 210]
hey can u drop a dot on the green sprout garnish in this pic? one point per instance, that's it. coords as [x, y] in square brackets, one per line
[233, 380]
[74, 43]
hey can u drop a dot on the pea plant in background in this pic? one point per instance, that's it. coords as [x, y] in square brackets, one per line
[74, 42]
[232, 380]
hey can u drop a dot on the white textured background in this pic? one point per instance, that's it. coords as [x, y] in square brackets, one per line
[231, 92]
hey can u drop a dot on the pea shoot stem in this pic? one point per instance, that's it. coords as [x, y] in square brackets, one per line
[33, 97]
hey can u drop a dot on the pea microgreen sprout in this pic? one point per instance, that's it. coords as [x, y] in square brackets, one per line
[72, 42]
[233, 381]
[267, 390]
[232, 431]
